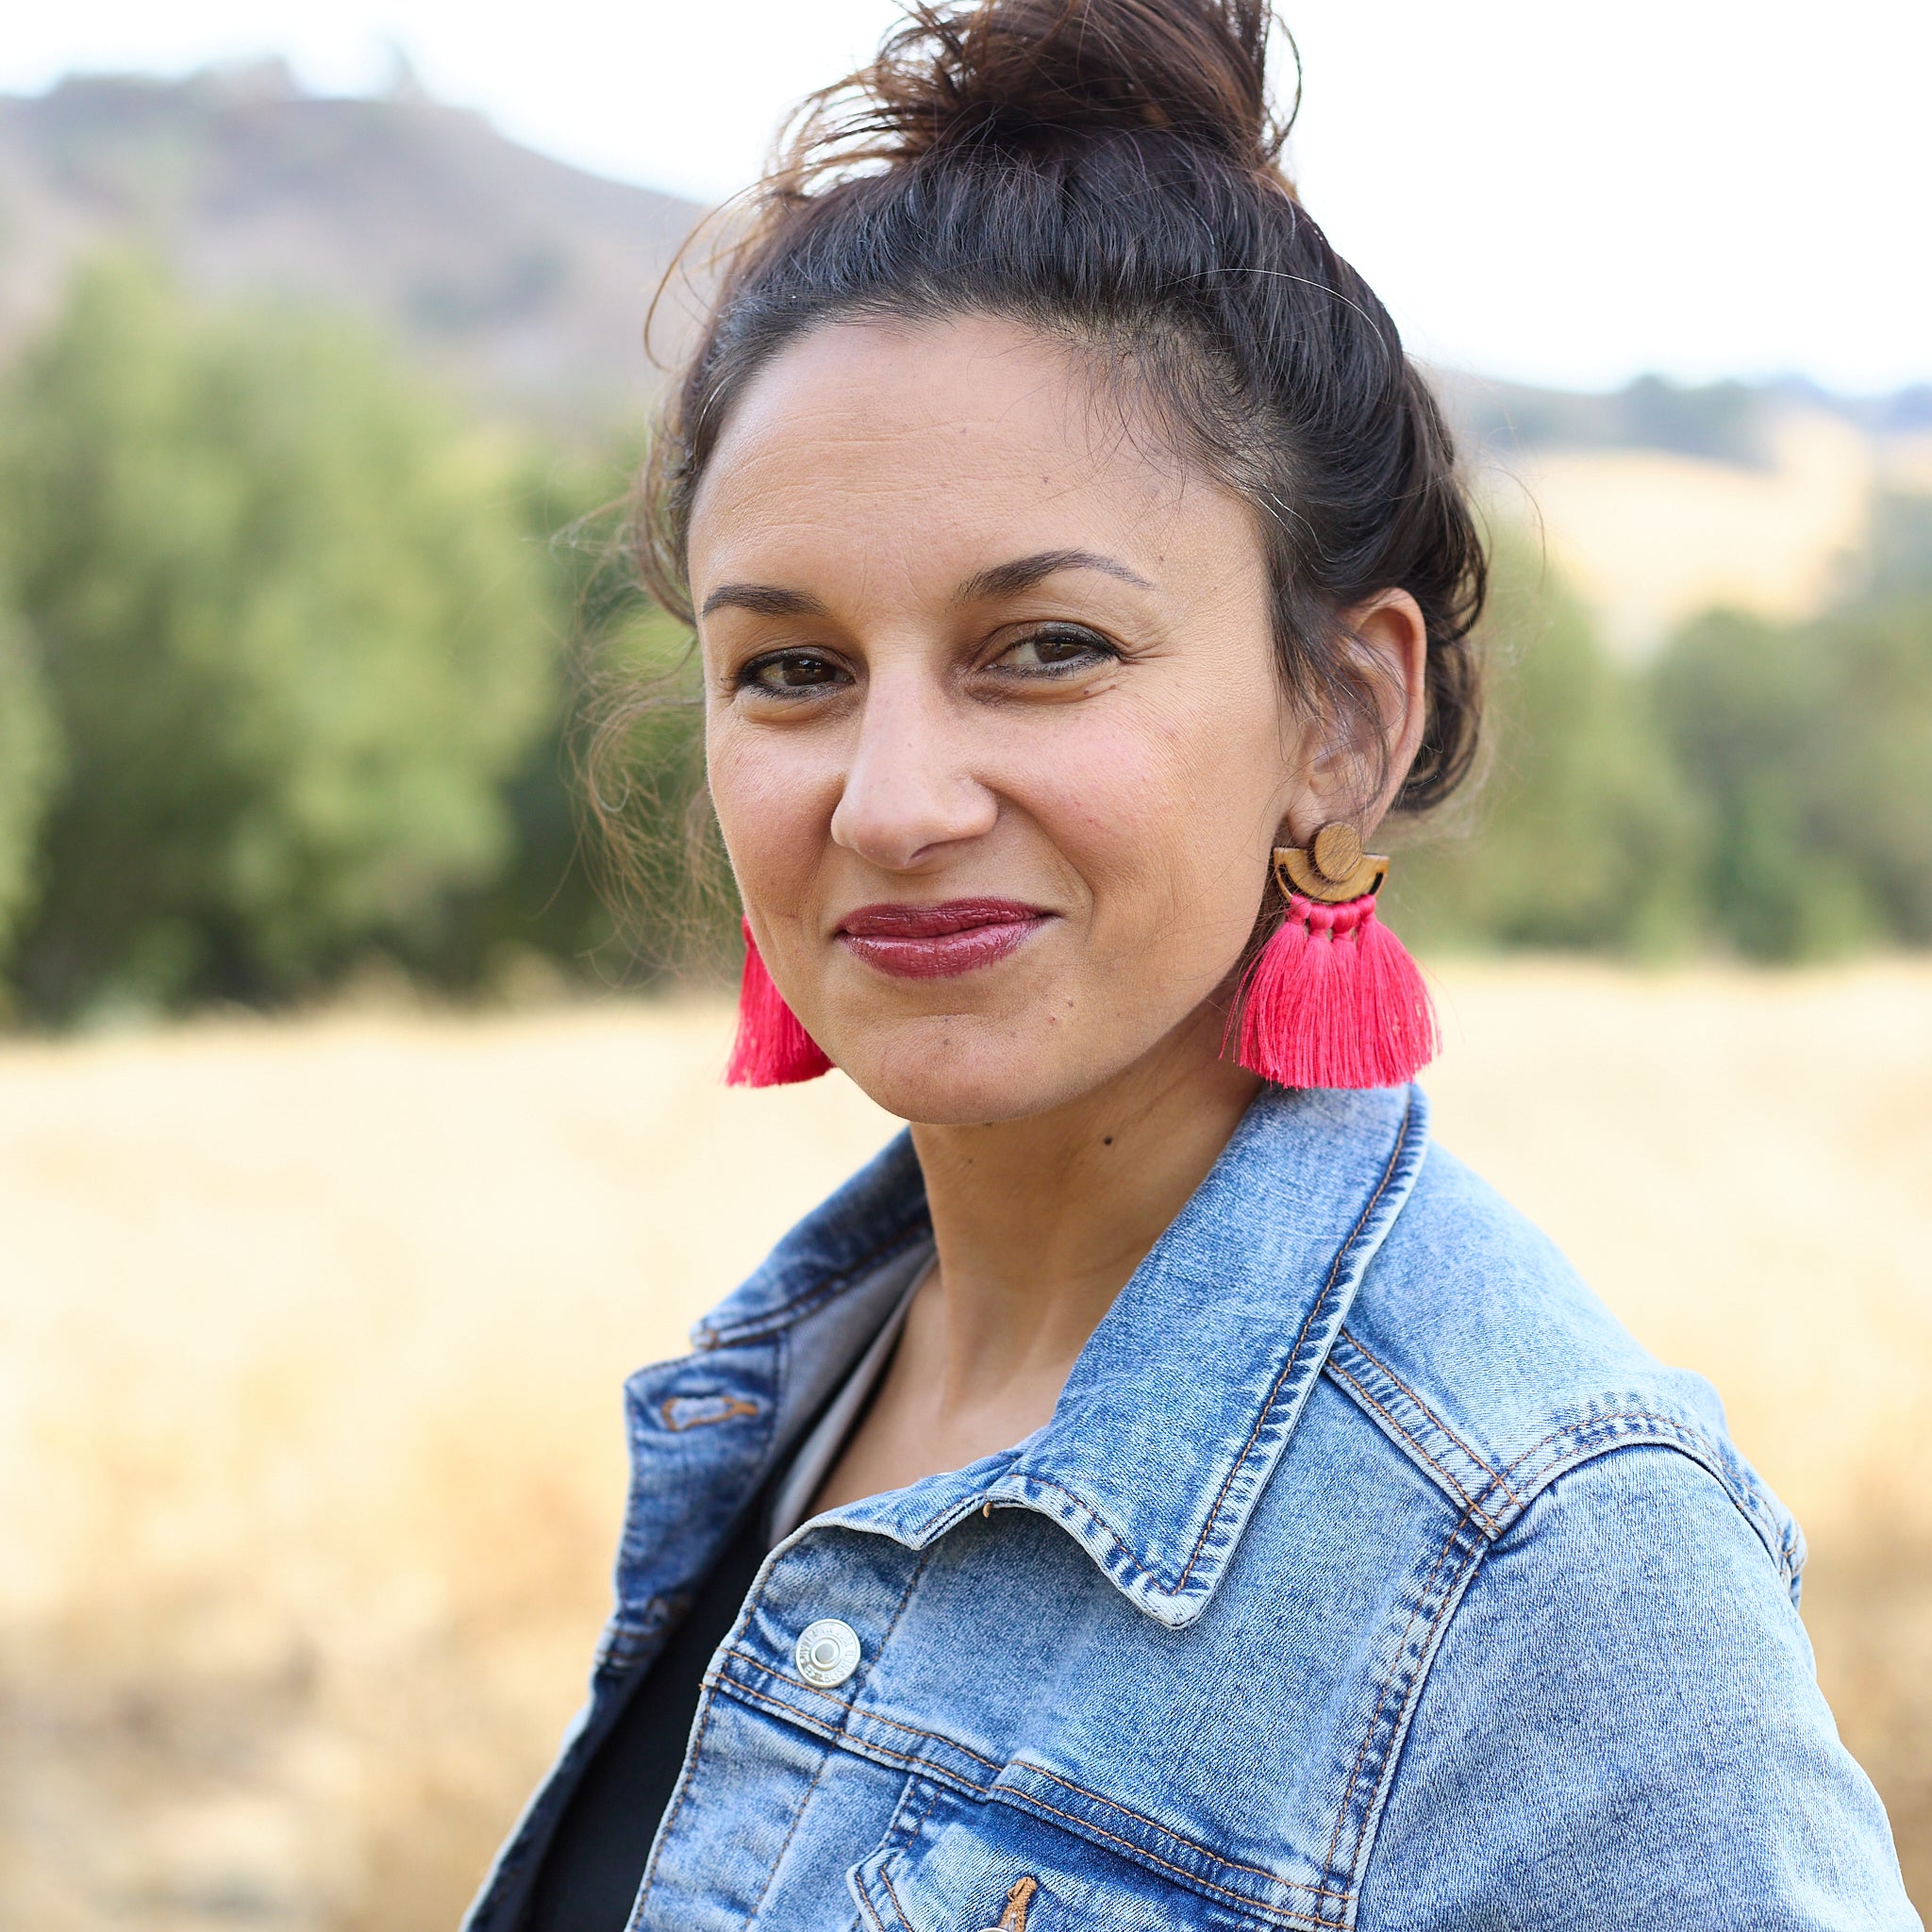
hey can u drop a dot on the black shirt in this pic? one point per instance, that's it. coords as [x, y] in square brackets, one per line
[588, 1873]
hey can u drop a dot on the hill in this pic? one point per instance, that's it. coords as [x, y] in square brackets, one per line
[526, 283]
[525, 279]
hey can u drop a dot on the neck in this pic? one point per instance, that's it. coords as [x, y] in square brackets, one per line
[1040, 1221]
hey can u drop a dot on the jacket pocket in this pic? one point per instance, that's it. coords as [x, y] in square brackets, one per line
[974, 1866]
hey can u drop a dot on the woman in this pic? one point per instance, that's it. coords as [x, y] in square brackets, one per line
[1161, 1490]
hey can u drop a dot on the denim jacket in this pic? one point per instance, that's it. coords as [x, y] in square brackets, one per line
[1367, 1574]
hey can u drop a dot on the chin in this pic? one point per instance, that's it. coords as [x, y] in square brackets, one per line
[964, 1072]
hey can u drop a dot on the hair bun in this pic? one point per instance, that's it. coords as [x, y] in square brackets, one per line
[1023, 74]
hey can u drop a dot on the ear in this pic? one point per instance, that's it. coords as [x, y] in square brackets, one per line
[1388, 641]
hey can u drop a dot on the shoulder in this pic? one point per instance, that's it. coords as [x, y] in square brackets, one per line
[1627, 1699]
[1475, 1349]
[1616, 1681]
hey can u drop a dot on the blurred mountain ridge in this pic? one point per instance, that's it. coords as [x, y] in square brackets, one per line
[528, 279]
[523, 279]
[525, 284]
[1728, 422]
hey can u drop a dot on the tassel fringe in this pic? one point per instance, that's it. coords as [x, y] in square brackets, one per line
[1334, 1000]
[771, 1049]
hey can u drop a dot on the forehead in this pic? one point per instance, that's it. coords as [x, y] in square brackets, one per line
[930, 443]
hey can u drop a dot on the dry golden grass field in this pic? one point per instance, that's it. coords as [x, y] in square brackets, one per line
[310, 1339]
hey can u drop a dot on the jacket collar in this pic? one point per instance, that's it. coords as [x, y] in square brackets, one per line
[1189, 1390]
[1188, 1393]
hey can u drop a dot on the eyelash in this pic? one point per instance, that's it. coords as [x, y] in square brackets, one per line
[1090, 642]
[747, 678]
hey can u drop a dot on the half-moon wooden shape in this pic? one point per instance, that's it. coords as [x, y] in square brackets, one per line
[1295, 872]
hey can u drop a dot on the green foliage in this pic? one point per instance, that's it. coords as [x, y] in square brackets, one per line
[1810, 746]
[1583, 836]
[29, 753]
[616, 872]
[542, 903]
[294, 667]
[288, 624]
[1901, 560]
[644, 772]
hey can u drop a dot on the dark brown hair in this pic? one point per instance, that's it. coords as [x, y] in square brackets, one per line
[1108, 172]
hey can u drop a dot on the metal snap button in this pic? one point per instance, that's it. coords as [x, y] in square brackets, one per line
[827, 1653]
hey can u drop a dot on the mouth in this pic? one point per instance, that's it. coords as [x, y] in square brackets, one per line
[938, 942]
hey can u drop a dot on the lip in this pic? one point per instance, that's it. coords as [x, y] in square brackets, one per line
[938, 942]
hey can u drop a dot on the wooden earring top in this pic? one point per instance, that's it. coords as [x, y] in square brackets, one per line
[1332, 868]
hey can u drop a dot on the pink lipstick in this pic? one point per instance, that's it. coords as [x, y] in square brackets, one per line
[937, 942]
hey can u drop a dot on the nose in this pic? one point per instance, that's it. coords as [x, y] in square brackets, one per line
[909, 790]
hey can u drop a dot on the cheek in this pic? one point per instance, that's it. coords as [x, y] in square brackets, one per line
[1168, 812]
[774, 793]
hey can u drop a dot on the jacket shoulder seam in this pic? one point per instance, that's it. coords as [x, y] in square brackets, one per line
[1605, 1431]
[1495, 1496]
[1471, 1481]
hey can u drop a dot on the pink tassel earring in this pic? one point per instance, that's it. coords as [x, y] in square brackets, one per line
[771, 1049]
[1334, 999]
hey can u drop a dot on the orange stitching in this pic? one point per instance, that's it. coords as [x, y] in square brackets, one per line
[1008, 1793]
[1354, 1341]
[713, 1680]
[905, 1758]
[1287, 1368]
[1678, 1435]
[1179, 1871]
[733, 1406]
[1019, 1897]
[886, 1879]
[1469, 1502]
[797, 1819]
[1387, 1684]
[913, 1809]
[911, 1730]
[865, 1904]
[1119, 1542]
[1683, 1431]
[1155, 1824]
[1086, 1509]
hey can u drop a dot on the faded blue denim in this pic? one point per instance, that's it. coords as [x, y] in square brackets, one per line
[1368, 1574]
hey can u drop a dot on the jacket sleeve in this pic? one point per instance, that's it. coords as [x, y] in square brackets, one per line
[1623, 1727]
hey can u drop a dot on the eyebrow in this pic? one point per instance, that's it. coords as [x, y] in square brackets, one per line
[1023, 572]
[999, 580]
[767, 600]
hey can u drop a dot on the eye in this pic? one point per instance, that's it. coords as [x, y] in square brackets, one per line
[1056, 649]
[791, 673]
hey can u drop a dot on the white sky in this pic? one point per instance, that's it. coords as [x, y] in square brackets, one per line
[1538, 189]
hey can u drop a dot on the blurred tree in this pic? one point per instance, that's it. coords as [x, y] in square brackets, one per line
[659, 855]
[288, 625]
[1581, 834]
[28, 760]
[1901, 551]
[637, 891]
[1812, 747]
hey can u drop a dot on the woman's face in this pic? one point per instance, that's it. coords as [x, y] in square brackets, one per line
[993, 726]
